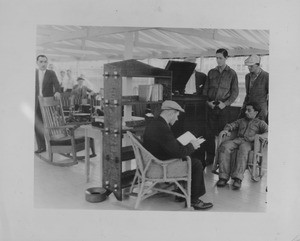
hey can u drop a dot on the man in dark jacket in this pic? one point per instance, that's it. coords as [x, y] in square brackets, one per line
[160, 141]
[46, 85]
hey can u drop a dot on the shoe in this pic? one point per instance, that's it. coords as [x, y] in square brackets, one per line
[237, 183]
[222, 182]
[200, 205]
[93, 155]
[40, 150]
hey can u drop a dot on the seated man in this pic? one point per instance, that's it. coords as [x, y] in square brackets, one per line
[160, 141]
[247, 128]
[80, 91]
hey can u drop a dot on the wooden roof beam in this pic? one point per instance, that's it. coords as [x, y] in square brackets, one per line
[235, 52]
[214, 35]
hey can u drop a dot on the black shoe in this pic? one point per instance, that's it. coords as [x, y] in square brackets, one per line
[222, 182]
[237, 183]
[93, 155]
[40, 150]
[200, 205]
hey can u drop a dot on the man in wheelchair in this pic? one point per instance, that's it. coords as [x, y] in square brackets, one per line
[246, 128]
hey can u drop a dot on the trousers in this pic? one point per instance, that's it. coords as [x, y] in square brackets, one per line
[39, 127]
[216, 120]
[228, 167]
[198, 185]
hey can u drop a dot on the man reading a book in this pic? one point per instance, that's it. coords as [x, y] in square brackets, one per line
[246, 128]
[160, 141]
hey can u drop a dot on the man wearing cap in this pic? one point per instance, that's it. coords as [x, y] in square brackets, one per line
[160, 141]
[257, 86]
[80, 91]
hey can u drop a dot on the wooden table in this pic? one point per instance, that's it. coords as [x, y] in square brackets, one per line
[96, 133]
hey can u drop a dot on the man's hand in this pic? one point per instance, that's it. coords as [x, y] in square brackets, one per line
[57, 95]
[210, 104]
[221, 105]
[197, 142]
[91, 94]
[227, 133]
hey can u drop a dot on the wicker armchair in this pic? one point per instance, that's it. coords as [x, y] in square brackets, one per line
[153, 172]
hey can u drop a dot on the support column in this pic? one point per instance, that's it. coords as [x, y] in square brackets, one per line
[127, 84]
[201, 64]
[127, 89]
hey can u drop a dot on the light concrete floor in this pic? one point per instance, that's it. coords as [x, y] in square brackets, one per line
[64, 188]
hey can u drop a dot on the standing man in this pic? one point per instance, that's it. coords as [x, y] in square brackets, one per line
[257, 86]
[160, 141]
[46, 85]
[221, 90]
[62, 79]
[68, 82]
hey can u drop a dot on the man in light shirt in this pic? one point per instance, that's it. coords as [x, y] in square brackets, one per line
[68, 82]
[61, 79]
[46, 85]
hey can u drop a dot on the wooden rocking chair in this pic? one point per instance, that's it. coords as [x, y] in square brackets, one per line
[60, 137]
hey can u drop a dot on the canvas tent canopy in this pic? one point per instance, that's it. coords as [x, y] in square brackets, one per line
[89, 43]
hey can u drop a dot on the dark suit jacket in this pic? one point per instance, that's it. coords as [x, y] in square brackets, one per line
[159, 140]
[50, 84]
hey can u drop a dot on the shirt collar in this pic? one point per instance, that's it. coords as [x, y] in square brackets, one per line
[163, 120]
[256, 75]
[225, 69]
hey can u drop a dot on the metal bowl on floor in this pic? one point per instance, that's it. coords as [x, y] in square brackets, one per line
[95, 194]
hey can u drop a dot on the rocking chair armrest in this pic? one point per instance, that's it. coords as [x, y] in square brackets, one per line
[63, 127]
[79, 123]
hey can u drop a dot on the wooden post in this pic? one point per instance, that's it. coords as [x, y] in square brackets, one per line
[201, 64]
[127, 88]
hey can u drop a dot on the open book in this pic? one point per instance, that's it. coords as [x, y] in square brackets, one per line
[186, 138]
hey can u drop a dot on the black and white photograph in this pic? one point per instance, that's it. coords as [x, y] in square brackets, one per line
[149, 120]
[212, 84]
